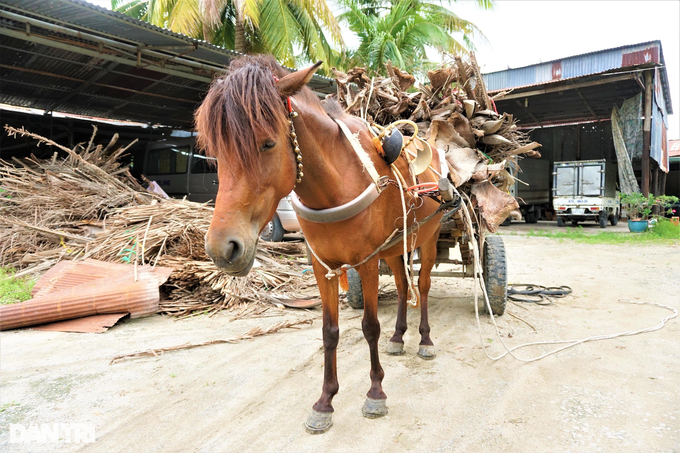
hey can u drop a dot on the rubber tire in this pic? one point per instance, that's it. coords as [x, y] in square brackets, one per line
[614, 219]
[560, 221]
[602, 220]
[274, 231]
[355, 293]
[506, 222]
[494, 265]
[531, 217]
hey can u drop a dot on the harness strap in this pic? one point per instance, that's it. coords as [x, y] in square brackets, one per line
[361, 153]
[338, 213]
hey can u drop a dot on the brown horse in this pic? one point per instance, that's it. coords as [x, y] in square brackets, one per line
[244, 123]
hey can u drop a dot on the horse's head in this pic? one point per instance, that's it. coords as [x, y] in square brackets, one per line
[243, 123]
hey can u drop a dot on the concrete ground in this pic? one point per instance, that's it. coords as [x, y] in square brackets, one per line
[618, 395]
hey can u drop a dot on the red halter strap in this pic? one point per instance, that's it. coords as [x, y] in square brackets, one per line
[288, 104]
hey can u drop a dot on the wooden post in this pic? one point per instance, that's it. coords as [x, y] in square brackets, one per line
[647, 133]
[662, 184]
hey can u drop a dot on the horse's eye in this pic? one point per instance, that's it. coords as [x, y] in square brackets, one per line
[269, 144]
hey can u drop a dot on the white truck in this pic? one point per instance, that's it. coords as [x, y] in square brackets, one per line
[585, 191]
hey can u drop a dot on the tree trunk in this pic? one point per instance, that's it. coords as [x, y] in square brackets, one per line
[240, 37]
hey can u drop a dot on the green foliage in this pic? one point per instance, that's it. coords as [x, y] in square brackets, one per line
[13, 289]
[283, 28]
[401, 31]
[662, 231]
[640, 207]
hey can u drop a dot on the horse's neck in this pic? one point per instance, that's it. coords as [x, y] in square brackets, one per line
[331, 174]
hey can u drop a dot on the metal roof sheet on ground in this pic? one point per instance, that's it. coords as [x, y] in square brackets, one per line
[619, 59]
[75, 57]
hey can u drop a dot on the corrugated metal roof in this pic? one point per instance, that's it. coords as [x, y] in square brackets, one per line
[674, 148]
[78, 58]
[604, 61]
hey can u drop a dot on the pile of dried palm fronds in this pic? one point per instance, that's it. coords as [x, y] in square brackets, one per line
[85, 205]
[455, 114]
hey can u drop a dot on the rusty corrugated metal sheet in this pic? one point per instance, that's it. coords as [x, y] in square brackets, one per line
[90, 324]
[674, 148]
[115, 292]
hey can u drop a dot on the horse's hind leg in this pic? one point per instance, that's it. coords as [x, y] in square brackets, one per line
[320, 420]
[428, 256]
[396, 343]
[375, 405]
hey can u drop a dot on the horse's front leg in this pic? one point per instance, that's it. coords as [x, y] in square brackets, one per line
[428, 256]
[375, 405]
[396, 343]
[320, 420]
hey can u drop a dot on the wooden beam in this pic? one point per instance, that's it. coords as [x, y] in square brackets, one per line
[526, 110]
[569, 86]
[585, 102]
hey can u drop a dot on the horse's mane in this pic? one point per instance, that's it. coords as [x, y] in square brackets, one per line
[241, 104]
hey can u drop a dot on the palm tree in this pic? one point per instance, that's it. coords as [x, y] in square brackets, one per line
[401, 31]
[283, 28]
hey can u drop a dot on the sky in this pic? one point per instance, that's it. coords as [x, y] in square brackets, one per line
[520, 33]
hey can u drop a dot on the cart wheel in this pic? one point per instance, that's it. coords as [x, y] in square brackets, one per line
[273, 231]
[603, 220]
[495, 274]
[614, 219]
[355, 294]
[560, 221]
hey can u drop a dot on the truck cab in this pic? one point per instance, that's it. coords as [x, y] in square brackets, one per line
[585, 191]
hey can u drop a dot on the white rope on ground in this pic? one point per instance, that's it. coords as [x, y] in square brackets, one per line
[569, 343]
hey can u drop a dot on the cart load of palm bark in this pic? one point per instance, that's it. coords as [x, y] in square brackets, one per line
[81, 204]
[454, 113]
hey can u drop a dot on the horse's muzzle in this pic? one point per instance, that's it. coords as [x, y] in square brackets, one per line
[232, 255]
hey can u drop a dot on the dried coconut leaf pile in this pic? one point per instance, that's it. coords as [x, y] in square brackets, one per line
[87, 206]
[454, 113]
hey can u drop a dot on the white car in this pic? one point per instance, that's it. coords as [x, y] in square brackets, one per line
[284, 221]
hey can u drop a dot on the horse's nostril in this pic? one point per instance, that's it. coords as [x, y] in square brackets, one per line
[228, 252]
[233, 251]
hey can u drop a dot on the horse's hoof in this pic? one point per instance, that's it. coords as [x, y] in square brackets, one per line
[426, 352]
[395, 348]
[374, 408]
[319, 422]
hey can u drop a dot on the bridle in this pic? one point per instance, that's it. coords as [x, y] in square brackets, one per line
[293, 136]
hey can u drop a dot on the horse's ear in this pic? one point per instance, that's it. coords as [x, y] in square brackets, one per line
[292, 83]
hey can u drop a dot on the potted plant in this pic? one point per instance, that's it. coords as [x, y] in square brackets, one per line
[639, 208]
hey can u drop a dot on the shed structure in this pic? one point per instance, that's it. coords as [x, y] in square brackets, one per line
[568, 104]
[77, 58]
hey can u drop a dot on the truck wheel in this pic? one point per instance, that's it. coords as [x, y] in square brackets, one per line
[531, 217]
[495, 274]
[273, 231]
[603, 219]
[506, 222]
[560, 221]
[355, 294]
[614, 219]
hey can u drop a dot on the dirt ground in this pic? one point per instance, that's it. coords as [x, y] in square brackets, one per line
[618, 395]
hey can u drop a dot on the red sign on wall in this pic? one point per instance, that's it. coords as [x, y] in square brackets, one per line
[557, 70]
[649, 55]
